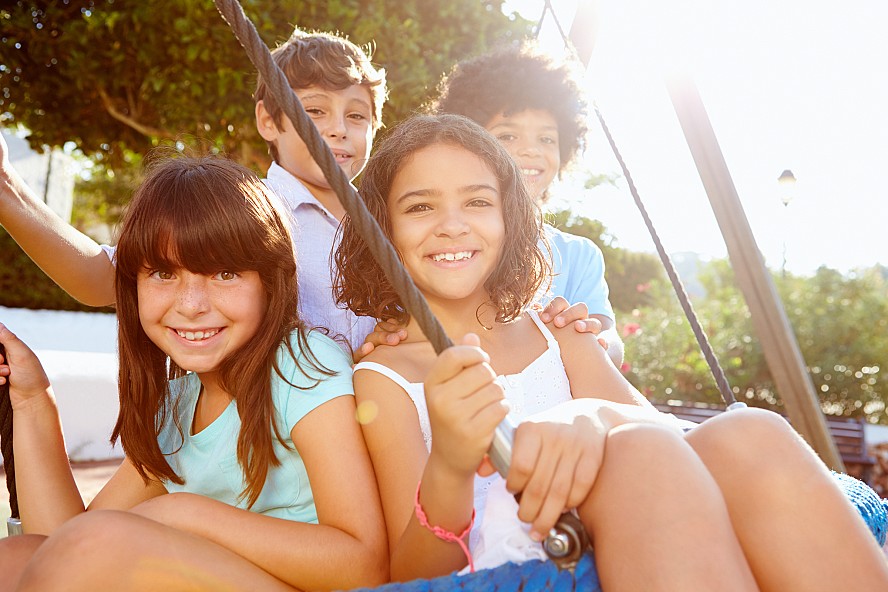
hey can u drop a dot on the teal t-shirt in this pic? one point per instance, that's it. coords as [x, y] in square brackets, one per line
[207, 461]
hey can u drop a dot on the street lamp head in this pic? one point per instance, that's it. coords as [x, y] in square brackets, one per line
[787, 182]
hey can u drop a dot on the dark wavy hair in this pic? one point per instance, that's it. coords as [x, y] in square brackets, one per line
[514, 79]
[360, 283]
[205, 215]
[326, 60]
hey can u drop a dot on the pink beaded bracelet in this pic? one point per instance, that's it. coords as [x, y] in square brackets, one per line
[446, 535]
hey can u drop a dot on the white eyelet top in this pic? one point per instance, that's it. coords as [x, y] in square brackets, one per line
[540, 386]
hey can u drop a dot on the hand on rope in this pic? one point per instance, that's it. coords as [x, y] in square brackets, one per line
[30, 382]
[364, 222]
[465, 406]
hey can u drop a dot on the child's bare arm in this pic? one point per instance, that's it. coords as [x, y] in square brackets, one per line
[592, 372]
[73, 260]
[465, 406]
[48, 495]
[561, 313]
[557, 454]
[345, 549]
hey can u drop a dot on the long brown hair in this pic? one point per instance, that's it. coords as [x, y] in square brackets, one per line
[205, 215]
[360, 283]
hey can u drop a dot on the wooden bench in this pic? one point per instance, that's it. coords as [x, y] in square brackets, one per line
[847, 433]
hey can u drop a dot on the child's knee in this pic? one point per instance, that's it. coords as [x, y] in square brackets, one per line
[631, 444]
[749, 427]
[90, 541]
[745, 435]
[15, 554]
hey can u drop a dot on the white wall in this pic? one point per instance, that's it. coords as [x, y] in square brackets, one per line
[79, 352]
[34, 166]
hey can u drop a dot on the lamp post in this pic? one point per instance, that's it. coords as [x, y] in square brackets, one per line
[787, 182]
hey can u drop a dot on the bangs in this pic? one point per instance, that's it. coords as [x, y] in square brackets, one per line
[225, 230]
[196, 248]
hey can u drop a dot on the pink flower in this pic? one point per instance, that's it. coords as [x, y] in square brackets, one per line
[631, 329]
[643, 287]
[625, 367]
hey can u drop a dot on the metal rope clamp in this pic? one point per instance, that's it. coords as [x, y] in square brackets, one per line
[568, 539]
[13, 526]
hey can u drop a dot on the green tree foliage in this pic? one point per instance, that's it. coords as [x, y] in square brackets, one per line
[841, 323]
[118, 77]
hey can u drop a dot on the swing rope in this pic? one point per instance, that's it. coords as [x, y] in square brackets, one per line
[364, 222]
[715, 368]
[531, 575]
[6, 445]
[717, 372]
[565, 543]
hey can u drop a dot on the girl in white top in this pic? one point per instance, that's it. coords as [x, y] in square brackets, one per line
[664, 509]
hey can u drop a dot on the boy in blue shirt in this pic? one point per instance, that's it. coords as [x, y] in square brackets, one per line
[534, 107]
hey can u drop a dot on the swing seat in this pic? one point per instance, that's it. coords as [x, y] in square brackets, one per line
[544, 575]
[511, 577]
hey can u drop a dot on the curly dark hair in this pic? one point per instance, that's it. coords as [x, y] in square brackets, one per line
[360, 283]
[513, 79]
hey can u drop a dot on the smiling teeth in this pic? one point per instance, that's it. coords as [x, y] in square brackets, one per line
[453, 256]
[531, 172]
[197, 335]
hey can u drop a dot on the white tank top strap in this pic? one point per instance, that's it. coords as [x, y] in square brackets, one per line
[550, 339]
[385, 371]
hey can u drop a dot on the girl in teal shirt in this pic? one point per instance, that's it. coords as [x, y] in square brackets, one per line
[243, 458]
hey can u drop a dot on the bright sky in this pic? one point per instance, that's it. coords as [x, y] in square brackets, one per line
[788, 84]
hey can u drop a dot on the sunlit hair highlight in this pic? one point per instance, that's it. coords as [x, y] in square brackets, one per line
[328, 61]
[514, 79]
[205, 215]
[522, 267]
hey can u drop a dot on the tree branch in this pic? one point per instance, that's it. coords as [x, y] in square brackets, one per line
[129, 121]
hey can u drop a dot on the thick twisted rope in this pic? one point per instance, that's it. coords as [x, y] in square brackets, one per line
[718, 374]
[720, 379]
[364, 222]
[6, 444]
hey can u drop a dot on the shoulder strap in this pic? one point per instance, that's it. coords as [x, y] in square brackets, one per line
[550, 339]
[385, 371]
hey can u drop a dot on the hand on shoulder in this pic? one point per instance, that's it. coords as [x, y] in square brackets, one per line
[560, 313]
